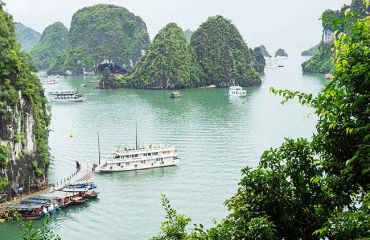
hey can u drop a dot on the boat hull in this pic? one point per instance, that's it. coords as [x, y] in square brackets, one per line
[168, 163]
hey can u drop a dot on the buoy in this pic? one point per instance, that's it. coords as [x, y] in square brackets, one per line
[71, 135]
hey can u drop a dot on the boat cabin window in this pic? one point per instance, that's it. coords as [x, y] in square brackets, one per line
[127, 164]
[136, 155]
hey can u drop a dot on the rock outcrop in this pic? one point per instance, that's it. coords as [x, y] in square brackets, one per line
[105, 33]
[223, 54]
[281, 53]
[26, 36]
[332, 22]
[24, 119]
[169, 63]
[264, 51]
[51, 46]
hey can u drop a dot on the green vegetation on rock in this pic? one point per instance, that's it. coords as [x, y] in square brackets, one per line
[264, 51]
[21, 99]
[169, 63]
[223, 54]
[105, 32]
[316, 188]
[312, 51]
[281, 53]
[188, 33]
[321, 62]
[52, 45]
[259, 61]
[26, 36]
[332, 22]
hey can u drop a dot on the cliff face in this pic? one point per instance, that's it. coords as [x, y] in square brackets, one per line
[26, 36]
[51, 46]
[223, 54]
[332, 21]
[105, 32]
[24, 118]
[169, 63]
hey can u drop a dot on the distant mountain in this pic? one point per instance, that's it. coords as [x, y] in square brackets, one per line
[51, 46]
[264, 51]
[168, 63]
[223, 54]
[188, 33]
[26, 36]
[105, 33]
[281, 53]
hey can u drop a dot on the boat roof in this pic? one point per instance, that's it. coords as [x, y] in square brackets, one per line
[143, 149]
[235, 87]
[21, 206]
[59, 194]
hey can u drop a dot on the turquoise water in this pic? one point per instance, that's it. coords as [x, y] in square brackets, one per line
[215, 138]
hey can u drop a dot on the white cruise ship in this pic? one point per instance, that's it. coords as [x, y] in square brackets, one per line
[125, 159]
[66, 96]
[236, 91]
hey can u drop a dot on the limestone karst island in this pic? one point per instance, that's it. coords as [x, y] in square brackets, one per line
[184, 120]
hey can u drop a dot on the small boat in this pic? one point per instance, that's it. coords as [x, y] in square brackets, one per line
[78, 200]
[94, 81]
[280, 65]
[175, 94]
[138, 158]
[91, 194]
[329, 76]
[30, 211]
[237, 91]
[66, 96]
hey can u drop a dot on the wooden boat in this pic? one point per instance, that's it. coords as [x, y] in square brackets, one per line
[78, 200]
[91, 194]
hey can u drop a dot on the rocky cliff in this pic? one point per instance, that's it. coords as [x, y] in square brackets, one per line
[264, 51]
[281, 53]
[105, 33]
[223, 54]
[24, 118]
[333, 22]
[51, 46]
[169, 63]
[26, 36]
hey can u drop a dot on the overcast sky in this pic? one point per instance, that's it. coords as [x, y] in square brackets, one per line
[290, 24]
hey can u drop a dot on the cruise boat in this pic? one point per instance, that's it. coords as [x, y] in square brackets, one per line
[236, 91]
[128, 159]
[66, 96]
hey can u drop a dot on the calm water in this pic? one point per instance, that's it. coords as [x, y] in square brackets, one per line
[215, 138]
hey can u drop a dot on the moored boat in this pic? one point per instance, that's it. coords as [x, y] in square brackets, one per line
[66, 96]
[237, 91]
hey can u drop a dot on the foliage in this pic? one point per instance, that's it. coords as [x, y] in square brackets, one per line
[3, 156]
[3, 183]
[26, 36]
[105, 32]
[311, 51]
[317, 189]
[18, 82]
[321, 62]
[281, 53]
[174, 227]
[43, 233]
[169, 63]
[223, 54]
[51, 46]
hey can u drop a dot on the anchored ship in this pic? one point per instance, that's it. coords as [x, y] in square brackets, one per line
[140, 157]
